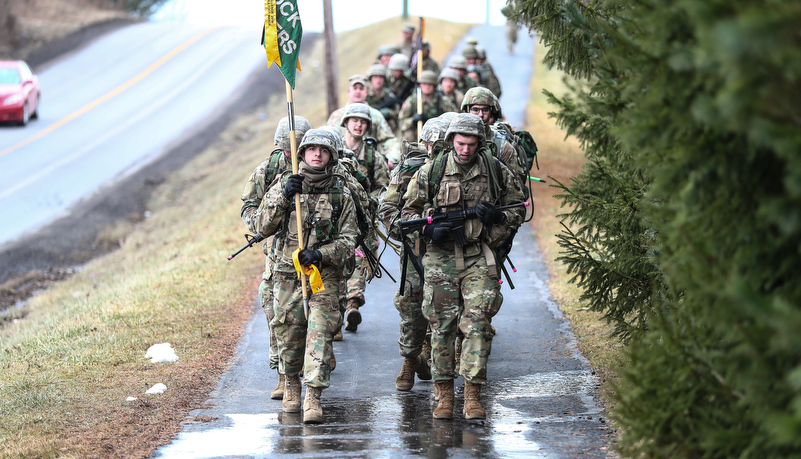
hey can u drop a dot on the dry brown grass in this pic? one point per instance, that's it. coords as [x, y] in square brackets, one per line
[68, 367]
[28, 24]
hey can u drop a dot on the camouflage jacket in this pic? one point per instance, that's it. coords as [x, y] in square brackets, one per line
[390, 113]
[490, 79]
[333, 235]
[457, 191]
[389, 211]
[437, 105]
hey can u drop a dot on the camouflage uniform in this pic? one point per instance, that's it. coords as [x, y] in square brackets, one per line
[373, 165]
[461, 289]
[433, 107]
[413, 326]
[428, 63]
[505, 151]
[385, 102]
[255, 189]
[380, 131]
[304, 344]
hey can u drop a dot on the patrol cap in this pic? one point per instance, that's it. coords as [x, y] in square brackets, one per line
[409, 28]
[471, 41]
[426, 44]
[354, 79]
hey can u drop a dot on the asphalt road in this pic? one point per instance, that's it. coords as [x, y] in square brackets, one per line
[112, 108]
[540, 400]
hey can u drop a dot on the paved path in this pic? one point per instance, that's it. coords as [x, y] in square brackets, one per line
[540, 399]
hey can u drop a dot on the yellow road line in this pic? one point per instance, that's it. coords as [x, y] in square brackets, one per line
[109, 95]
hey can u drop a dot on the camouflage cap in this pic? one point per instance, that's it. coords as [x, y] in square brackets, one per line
[357, 79]
[398, 61]
[409, 28]
[281, 138]
[377, 70]
[471, 41]
[466, 124]
[357, 110]
[426, 44]
[481, 96]
[458, 62]
[322, 138]
[448, 72]
[428, 77]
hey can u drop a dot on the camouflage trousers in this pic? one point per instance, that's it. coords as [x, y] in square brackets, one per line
[305, 344]
[266, 301]
[357, 283]
[413, 325]
[464, 300]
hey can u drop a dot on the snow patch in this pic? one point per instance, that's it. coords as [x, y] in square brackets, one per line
[161, 353]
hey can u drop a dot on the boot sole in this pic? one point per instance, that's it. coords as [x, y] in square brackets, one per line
[277, 396]
[443, 416]
[353, 320]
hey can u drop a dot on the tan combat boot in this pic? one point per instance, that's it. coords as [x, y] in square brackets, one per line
[338, 335]
[312, 411]
[472, 402]
[405, 380]
[278, 392]
[291, 401]
[333, 362]
[353, 317]
[423, 370]
[444, 409]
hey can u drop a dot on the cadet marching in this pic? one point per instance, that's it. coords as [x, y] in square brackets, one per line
[449, 199]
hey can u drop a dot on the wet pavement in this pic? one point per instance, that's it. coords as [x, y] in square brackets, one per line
[540, 400]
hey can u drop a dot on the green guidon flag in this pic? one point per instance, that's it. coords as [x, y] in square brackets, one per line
[281, 36]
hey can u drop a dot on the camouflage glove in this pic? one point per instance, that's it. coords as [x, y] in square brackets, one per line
[293, 185]
[308, 257]
[488, 213]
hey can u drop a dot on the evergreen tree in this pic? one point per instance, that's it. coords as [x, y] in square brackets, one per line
[695, 107]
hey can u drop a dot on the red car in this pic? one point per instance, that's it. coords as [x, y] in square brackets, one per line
[19, 92]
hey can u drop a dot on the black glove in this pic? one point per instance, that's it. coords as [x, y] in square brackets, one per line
[308, 257]
[294, 184]
[489, 213]
[437, 232]
[419, 117]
